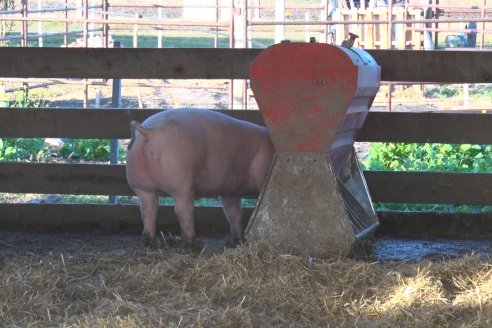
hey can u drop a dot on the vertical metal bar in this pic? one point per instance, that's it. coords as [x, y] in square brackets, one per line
[306, 27]
[86, 24]
[86, 44]
[65, 36]
[482, 38]
[390, 91]
[86, 94]
[279, 16]
[390, 24]
[325, 17]
[231, 25]
[244, 10]
[135, 32]
[25, 43]
[159, 30]
[231, 45]
[104, 15]
[449, 24]
[90, 16]
[436, 34]
[216, 36]
[24, 24]
[115, 104]
[40, 25]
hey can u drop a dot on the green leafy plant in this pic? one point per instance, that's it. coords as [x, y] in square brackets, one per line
[443, 91]
[90, 149]
[22, 149]
[429, 157]
[26, 99]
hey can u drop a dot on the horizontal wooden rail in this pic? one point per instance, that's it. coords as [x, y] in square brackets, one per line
[77, 218]
[126, 63]
[387, 187]
[91, 123]
[415, 127]
[195, 63]
[73, 179]
[430, 187]
[102, 217]
[435, 225]
[430, 127]
[440, 66]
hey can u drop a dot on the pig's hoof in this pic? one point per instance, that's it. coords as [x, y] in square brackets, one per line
[149, 242]
[196, 246]
[234, 242]
[169, 241]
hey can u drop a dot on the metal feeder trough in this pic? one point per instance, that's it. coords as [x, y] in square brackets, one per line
[314, 98]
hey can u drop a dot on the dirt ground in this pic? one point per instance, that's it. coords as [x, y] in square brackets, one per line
[383, 249]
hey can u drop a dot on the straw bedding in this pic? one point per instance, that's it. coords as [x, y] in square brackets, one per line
[112, 281]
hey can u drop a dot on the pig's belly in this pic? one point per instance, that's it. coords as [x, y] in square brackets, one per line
[216, 185]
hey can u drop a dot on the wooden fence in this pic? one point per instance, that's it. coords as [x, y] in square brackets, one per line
[99, 179]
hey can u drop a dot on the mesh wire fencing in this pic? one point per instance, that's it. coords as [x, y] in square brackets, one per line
[132, 35]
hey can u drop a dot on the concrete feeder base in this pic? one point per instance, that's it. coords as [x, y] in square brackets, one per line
[300, 209]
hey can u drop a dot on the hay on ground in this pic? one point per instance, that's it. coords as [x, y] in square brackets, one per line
[112, 281]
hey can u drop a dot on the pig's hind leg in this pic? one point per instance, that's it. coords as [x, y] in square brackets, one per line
[233, 213]
[184, 210]
[149, 204]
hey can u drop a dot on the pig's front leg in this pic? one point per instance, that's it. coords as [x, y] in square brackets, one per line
[233, 213]
[184, 210]
[149, 204]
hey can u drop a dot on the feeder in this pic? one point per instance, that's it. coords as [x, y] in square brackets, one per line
[314, 99]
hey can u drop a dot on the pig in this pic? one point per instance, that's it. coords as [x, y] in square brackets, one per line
[196, 153]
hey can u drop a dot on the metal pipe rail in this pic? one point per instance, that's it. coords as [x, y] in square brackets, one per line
[46, 10]
[37, 35]
[366, 22]
[116, 21]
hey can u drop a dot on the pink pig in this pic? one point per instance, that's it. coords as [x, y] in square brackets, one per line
[194, 153]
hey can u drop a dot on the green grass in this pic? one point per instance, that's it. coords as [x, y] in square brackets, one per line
[148, 41]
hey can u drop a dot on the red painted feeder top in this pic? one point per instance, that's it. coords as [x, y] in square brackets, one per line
[303, 91]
